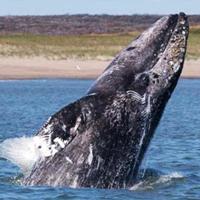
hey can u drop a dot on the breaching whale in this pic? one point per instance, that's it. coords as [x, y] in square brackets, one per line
[100, 140]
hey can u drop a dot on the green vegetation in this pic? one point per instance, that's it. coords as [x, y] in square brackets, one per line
[102, 46]
[62, 47]
[193, 51]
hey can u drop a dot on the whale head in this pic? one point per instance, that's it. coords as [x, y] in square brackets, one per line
[101, 139]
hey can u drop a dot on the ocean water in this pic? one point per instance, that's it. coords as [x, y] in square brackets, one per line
[170, 170]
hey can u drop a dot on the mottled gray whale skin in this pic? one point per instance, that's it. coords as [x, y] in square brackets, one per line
[107, 132]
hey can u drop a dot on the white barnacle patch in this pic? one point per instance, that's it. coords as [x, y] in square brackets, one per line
[90, 157]
[74, 129]
[48, 128]
[68, 160]
[176, 66]
[164, 71]
[64, 127]
[181, 60]
[183, 32]
[60, 142]
[57, 146]
[171, 62]
[48, 120]
[78, 121]
[182, 50]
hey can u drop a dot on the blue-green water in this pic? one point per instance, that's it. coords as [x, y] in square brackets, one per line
[172, 162]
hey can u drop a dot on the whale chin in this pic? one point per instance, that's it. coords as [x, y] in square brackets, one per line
[100, 139]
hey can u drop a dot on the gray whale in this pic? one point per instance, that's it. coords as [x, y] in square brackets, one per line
[105, 134]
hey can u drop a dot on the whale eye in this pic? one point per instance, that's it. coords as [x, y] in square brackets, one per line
[144, 78]
[49, 148]
[39, 147]
[140, 83]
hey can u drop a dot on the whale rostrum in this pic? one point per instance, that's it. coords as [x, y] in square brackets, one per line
[100, 140]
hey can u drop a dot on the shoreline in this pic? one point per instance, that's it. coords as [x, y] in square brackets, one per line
[75, 78]
[14, 68]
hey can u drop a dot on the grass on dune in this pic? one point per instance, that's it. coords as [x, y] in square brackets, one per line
[103, 46]
[62, 47]
[193, 50]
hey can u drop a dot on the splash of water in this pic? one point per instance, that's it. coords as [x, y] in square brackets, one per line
[25, 151]
[149, 184]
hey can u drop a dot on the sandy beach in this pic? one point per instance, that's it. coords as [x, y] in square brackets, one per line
[39, 67]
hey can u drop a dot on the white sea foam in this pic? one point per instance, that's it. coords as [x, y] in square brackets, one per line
[161, 180]
[25, 151]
